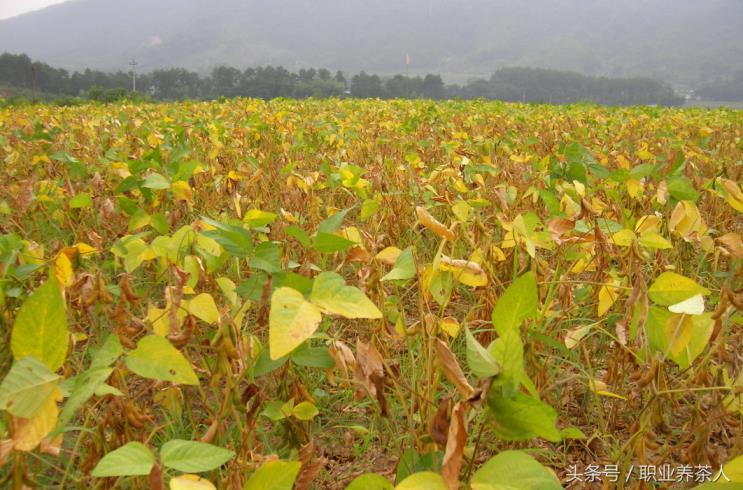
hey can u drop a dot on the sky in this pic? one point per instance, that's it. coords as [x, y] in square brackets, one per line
[11, 8]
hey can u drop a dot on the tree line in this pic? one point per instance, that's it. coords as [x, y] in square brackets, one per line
[19, 75]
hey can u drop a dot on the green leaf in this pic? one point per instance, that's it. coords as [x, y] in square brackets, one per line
[522, 417]
[425, 480]
[518, 302]
[156, 181]
[333, 223]
[305, 411]
[404, 267]
[332, 295]
[681, 188]
[370, 481]
[298, 233]
[156, 358]
[107, 353]
[83, 200]
[291, 321]
[315, 357]
[192, 456]
[255, 218]
[265, 365]
[234, 239]
[508, 352]
[40, 328]
[411, 462]
[131, 459]
[671, 288]
[514, 470]
[330, 243]
[86, 384]
[274, 475]
[277, 410]
[267, 258]
[479, 359]
[368, 209]
[26, 387]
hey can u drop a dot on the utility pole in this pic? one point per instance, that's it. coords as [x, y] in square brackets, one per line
[133, 64]
[34, 82]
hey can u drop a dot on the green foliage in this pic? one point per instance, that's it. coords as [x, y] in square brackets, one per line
[514, 470]
[192, 456]
[40, 329]
[131, 459]
[156, 358]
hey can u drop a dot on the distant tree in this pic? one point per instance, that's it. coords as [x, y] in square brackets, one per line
[323, 74]
[267, 82]
[225, 82]
[366, 86]
[402, 87]
[433, 87]
[340, 78]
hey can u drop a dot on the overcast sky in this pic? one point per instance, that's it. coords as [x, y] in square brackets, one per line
[11, 8]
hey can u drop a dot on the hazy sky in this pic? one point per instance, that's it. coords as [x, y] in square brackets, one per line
[10, 8]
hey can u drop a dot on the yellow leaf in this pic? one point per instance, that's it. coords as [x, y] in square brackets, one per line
[600, 388]
[291, 321]
[461, 210]
[203, 308]
[648, 224]
[84, 249]
[497, 253]
[654, 240]
[182, 191]
[29, 432]
[644, 154]
[634, 188]
[63, 270]
[450, 326]
[352, 234]
[623, 238]
[607, 296]
[159, 319]
[735, 195]
[190, 482]
[679, 331]
[686, 221]
[389, 255]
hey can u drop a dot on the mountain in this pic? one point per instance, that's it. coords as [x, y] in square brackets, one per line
[679, 41]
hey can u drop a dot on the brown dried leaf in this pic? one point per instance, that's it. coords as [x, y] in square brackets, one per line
[343, 358]
[456, 440]
[452, 370]
[558, 227]
[358, 254]
[369, 373]
[439, 427]
[732, 244]
[52, 447]
[310, 468]
[6, 447]
[425, 218]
